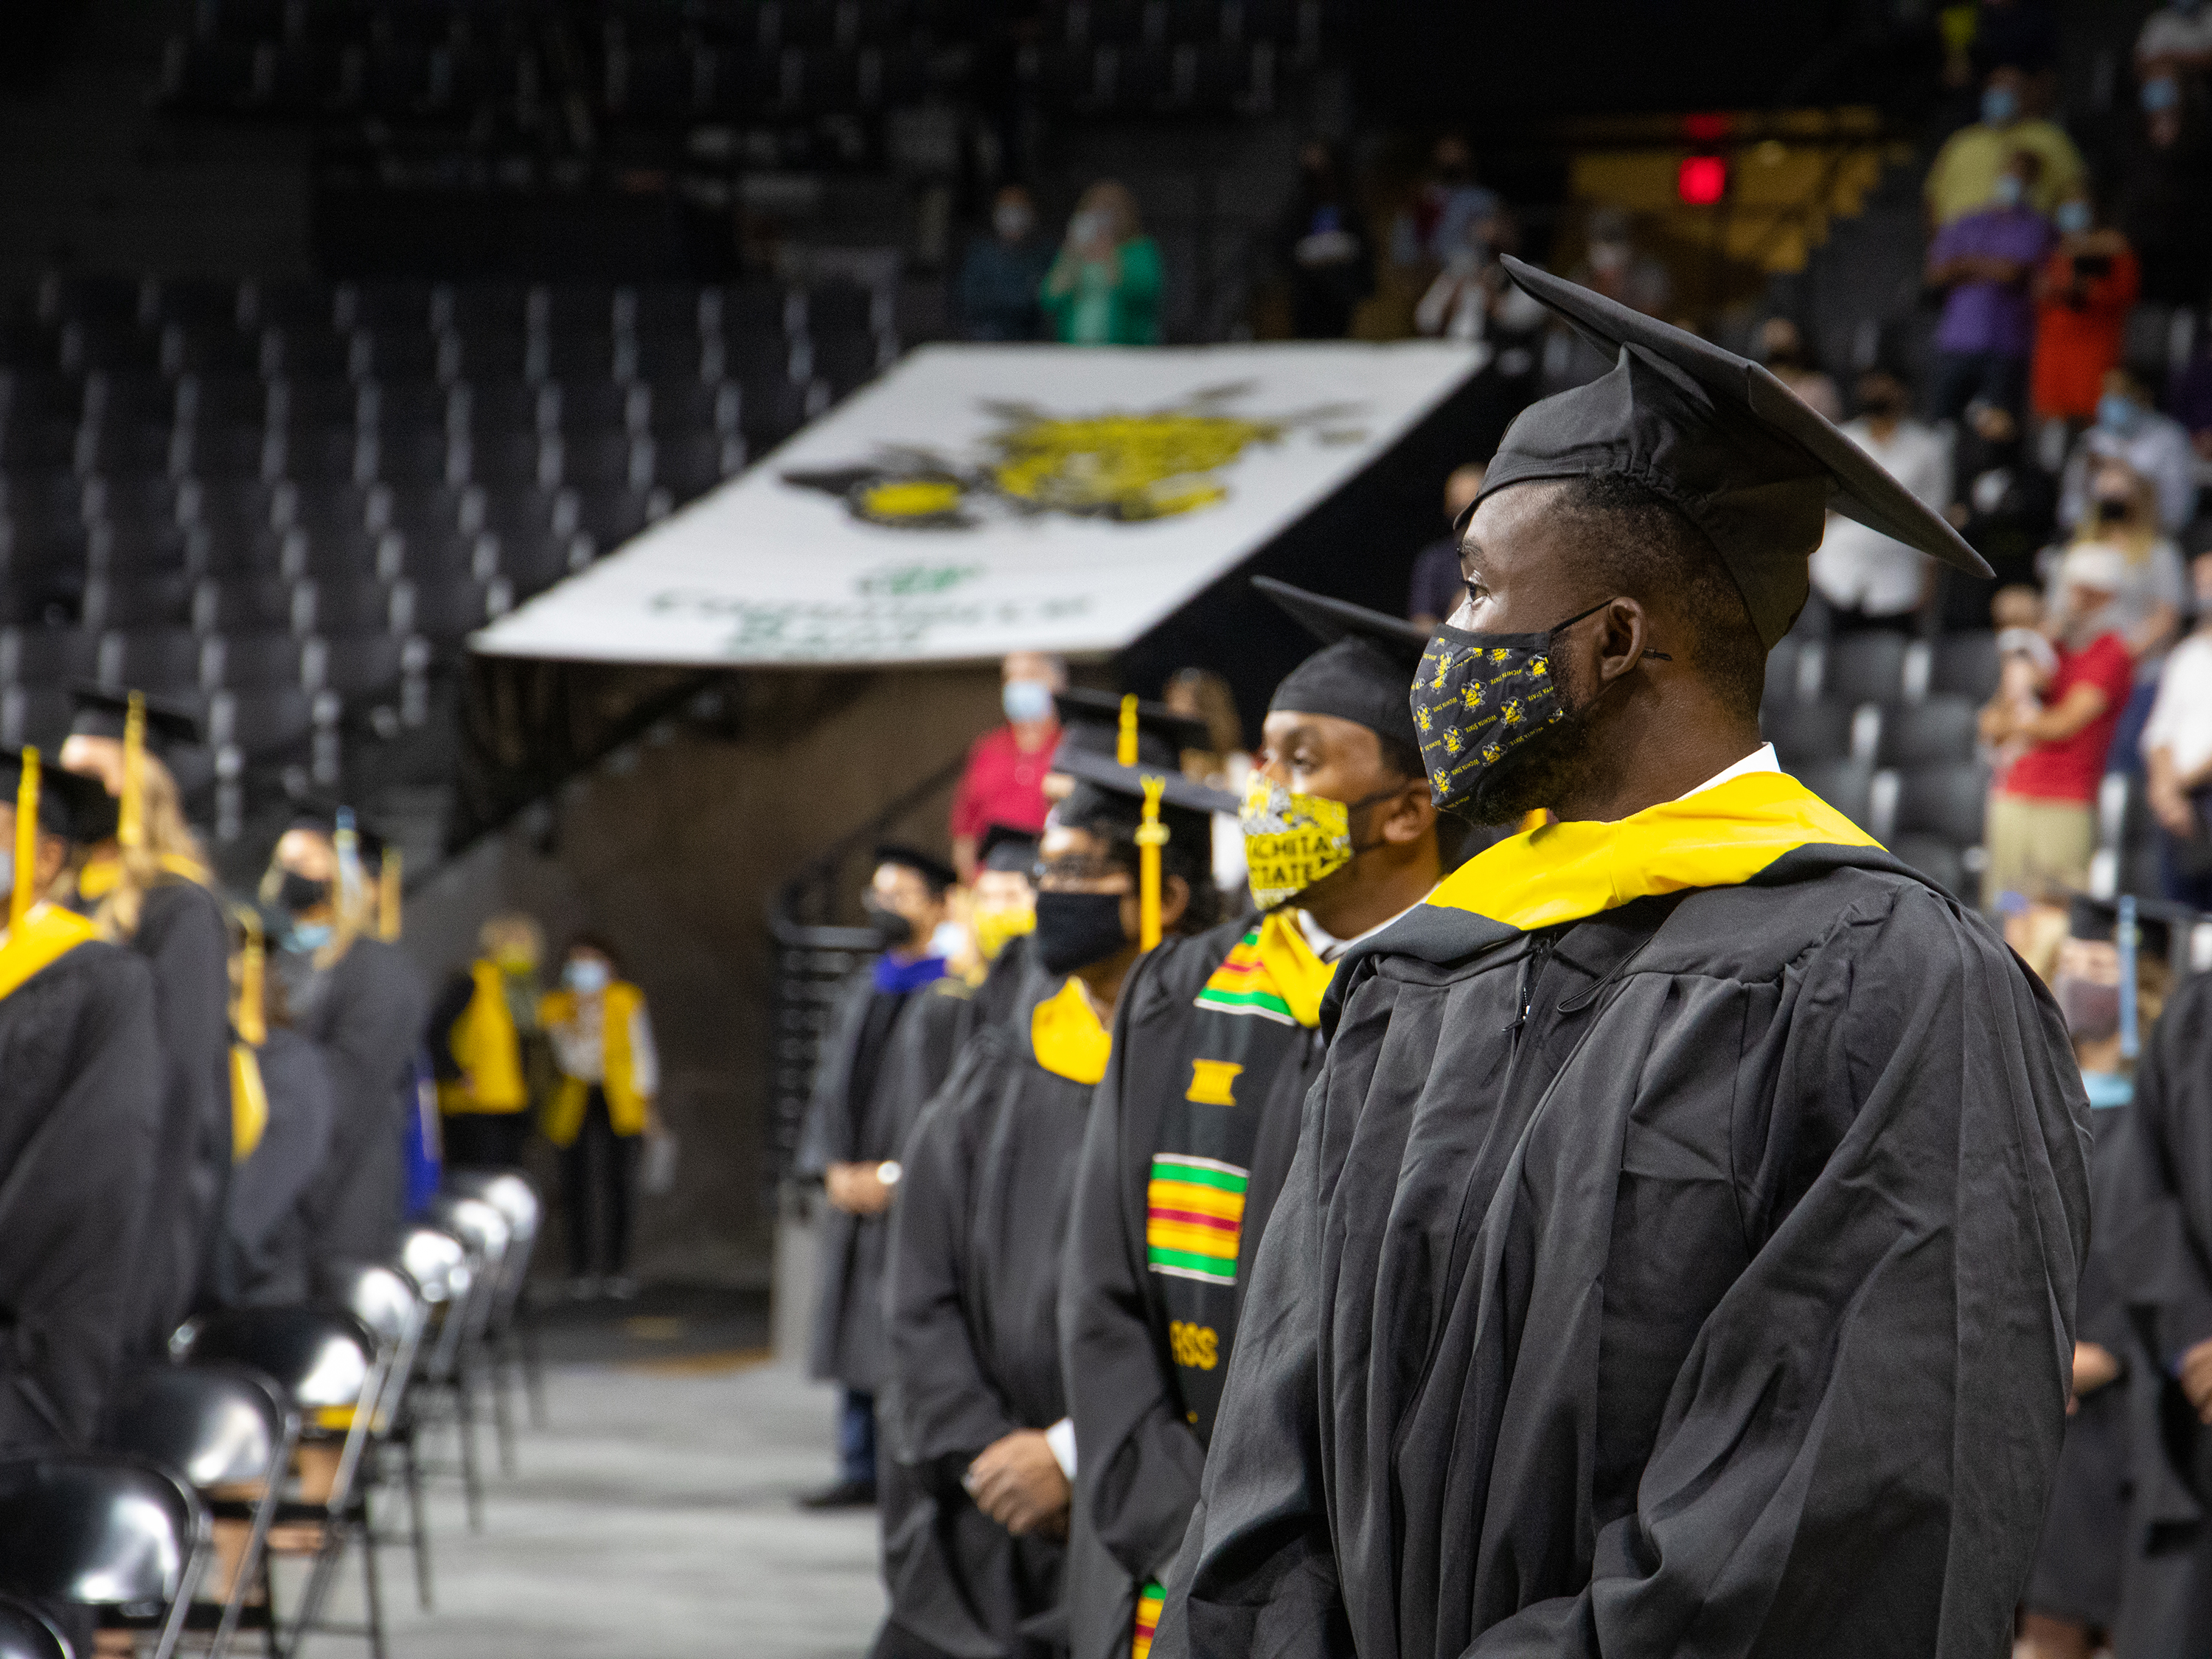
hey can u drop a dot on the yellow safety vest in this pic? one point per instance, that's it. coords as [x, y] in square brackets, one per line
[484, 1045]
[625, 1105]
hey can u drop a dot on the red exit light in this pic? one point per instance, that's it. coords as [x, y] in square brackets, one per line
[1701, 180]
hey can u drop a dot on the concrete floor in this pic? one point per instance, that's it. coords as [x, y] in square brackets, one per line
[652, 1519]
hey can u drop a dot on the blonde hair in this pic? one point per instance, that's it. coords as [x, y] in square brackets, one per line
[1217, 705]
[168, 844]
[512, 928]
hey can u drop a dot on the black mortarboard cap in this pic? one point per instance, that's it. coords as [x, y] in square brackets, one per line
[1364, 669]
[1091, 723]
[1741, 455]
[76, 808]
[931, 868]
[1005, 848]
[170, 725]
[2091, 920]
[322, 817]
[1108, 791]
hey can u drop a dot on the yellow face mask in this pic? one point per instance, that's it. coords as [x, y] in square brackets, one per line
[1291, 842]
[516, 963]
[994, 927]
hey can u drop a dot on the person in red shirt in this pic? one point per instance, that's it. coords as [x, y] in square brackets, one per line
[2083, 297]
[2041, 826]
[1003, 781]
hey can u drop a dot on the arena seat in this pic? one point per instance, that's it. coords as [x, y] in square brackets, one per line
[1937, 728]
[1846, 785]
[1965, 665]
[1806, 731]
[1866, 667]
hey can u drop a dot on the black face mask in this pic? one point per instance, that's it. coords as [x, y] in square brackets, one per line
[297, 893]
[1478, 696]
[2111, 509]
[892, 929]
[1074, 930]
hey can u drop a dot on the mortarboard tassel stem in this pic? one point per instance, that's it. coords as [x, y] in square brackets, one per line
[131, 814]
[1152, 836]
[390, 896]
[1125, 747]
[27, 840]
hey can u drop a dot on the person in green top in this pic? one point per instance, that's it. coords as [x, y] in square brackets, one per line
[1104, 288]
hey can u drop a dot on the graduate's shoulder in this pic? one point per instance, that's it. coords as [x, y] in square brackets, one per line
[95, 979]
[1173, 972]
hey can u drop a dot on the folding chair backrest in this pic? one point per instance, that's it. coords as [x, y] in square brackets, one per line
[384, 1300]
[509, 1191]
[26, 1633]
[438, 1262]
[328, 1363]
[217, 1426]
[96, 1528]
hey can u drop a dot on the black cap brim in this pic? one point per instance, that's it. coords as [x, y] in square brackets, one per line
[1109, 774]
[71, 806]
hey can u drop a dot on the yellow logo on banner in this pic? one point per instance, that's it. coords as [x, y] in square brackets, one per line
[1291, 842]
[1212, 1082]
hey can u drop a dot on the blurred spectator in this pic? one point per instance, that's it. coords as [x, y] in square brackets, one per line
[997, 292]
[1782, 349]
[2175, 39]
[1965, 176]
[1438, 586]
[2129, 429]
[2147, 612]
[2164, 175]
[2005, 509]
[2177, 750]
[1104, 287]
[1003, 781]
[1225, 763]
[1870, 579]
[1473, 299]
[2041, 826]
[1323, 243]
[601, 1112]
[1448, 201]
[2083, 295]
[1615, 267]
[1986, 260]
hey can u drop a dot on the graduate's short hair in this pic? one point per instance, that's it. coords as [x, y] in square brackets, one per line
[1642, 545]
[1188, 854]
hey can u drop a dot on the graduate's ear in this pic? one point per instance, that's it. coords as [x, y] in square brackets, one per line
[1409, 817]
[1618, 636]
[53, 853]
[1174, 900]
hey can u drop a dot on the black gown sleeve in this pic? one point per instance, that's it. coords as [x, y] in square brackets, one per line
[1137, 1461]
[267, 1188]
[829, 1132]
[949, 1409]
[2151, 1189]
[1828, 1461]
[73, 1195]
[452, 1002]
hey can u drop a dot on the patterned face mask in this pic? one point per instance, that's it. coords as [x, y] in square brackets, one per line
[1291, 842]
[1478, 696]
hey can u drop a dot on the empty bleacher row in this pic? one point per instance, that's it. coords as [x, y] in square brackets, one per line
[289, 504]
[745, 61]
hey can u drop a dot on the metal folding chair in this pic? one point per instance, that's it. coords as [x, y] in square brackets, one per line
[106, 1531]
[486, 1234]
[230, 1433]
[514, 1332]
[390, 1303]
[28, 1633]
[438, 1264]
[333, 1366]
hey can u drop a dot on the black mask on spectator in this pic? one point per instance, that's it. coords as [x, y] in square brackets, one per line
[298, 893]
[1880, 405]
[2112, 508]
[2092, 1011]
[892, 929]
[1074, 930]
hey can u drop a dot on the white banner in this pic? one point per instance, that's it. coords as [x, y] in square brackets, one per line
[982, 499]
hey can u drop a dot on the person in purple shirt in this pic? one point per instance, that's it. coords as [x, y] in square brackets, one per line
[1985, 260]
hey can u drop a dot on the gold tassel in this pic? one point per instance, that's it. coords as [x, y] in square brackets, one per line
[130, 816]
[389, 897]
[27, 840]
[1152, 836]
[251, 1016]
[1125, 748]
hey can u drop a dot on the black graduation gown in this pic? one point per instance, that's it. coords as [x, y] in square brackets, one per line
[80, 1106]
[265, 1232]
[2154, 1241]
[972, 1300]
[860, 1114]
[2078, 1565]
[1140, 1441]
[182, 936]
[366, 1015]
[1697, 1279]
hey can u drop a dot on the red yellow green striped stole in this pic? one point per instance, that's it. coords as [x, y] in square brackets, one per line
[1194, 1215]
[1148, 1603]
[1271, 973]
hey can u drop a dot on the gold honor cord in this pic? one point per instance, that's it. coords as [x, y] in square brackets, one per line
[252, 1015]
[27, 840]
[1152, 836]
[1125, 748]
[130, 815]
[390, 894]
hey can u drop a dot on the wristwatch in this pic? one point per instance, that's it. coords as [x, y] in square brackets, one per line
[889, 1172]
